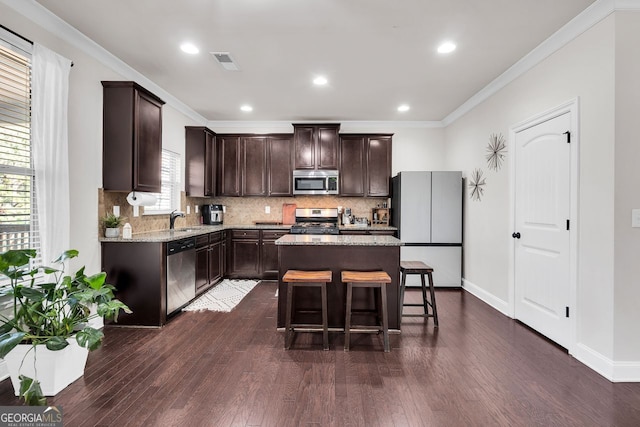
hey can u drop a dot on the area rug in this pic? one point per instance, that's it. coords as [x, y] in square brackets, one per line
[223, 297]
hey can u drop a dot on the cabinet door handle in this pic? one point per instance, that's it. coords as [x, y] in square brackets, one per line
[516, 235]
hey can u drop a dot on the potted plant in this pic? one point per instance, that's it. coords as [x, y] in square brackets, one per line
[111, 224]
[50, 322]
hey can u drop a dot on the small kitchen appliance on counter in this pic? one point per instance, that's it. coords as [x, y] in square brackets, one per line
[212, 214]
[316, 221]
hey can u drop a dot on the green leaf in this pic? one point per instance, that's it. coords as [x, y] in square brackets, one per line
[56, 343]
[31, 392]
[18, 258]
[32, 294]
[8, 341]
[6, 326]
[90, 338]
[110, 309]
[97, 280]
[71, 253]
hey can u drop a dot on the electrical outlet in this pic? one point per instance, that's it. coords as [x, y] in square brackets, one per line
[116, 210]
[635, 217]
[196, 207]
[267, 209]
[188, 209]
[136, 211]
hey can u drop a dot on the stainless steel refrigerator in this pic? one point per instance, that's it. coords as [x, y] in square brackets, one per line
[426, 207]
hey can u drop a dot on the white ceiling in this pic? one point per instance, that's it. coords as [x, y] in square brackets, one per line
[376, 54]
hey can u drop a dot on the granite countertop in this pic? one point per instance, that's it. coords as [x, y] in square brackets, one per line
[196, 230]
[338, 240]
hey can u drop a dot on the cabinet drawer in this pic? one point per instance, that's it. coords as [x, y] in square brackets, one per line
[273, 234]
[215, 237]
[245, 234]
[202, 240]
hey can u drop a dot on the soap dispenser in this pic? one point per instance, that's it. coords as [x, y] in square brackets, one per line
[126, 231]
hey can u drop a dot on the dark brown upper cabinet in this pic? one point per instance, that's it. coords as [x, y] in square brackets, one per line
[229, 166]
[352, 165]
[200, 162]
[254, 166]
[280, 174]
[378, 179]
[131, 138]
[365, 165]
[316, 146]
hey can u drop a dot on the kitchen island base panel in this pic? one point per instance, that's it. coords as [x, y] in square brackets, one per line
[337, 259]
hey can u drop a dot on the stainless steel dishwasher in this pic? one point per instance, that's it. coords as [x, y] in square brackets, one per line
[181, 273]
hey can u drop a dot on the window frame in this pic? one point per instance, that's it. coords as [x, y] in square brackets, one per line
[171, 180]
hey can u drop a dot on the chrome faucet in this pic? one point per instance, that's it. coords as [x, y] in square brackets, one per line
[172, 218]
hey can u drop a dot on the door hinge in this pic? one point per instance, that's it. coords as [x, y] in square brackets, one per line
[567, 224]
[566, 311]
[568, 133]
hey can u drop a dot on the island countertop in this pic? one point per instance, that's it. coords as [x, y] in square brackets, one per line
[337, 240]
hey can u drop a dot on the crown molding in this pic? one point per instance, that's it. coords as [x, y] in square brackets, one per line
[287, 125]
[574, 28]
[41, 16]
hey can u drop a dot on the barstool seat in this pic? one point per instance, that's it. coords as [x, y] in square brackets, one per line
[419, 267]
[304, 278]
[366, 279]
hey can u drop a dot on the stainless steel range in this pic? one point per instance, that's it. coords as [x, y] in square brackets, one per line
[316, 221]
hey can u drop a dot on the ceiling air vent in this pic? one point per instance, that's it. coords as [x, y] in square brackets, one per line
[225, 59]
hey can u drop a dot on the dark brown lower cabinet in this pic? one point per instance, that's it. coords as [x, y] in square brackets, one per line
[244, 256]
[209, 260]
[253, 254]
[138, 270]
[269, 252]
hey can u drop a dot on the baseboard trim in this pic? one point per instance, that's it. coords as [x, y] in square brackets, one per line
[495, 302]
[623, 371]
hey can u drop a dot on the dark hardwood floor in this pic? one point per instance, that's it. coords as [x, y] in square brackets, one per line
[230, 369]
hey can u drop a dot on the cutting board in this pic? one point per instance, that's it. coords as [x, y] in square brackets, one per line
[288, 213]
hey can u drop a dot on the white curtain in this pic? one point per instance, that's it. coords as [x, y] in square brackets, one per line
[49, 134]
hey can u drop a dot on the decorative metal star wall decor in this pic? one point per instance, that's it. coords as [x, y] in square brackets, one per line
[476, 185]
[497, 151]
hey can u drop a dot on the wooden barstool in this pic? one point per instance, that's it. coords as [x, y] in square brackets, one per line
[366, 279]
[419, 267]
[302, 278]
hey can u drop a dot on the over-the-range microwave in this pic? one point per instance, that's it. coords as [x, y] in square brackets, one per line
[315, 182]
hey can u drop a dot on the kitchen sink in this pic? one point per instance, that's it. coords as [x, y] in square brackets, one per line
[186, 230]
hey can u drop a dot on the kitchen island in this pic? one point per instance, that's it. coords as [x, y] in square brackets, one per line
[337, 253]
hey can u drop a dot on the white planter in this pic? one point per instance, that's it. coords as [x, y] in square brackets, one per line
[111, 232]
[56, 369]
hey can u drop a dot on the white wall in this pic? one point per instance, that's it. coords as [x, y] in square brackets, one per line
[584, 68]
[85, 134]
[627, 189]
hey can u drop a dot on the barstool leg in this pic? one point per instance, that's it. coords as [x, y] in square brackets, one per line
[433, 301]
[347, 320]
[325, 321]
[403, 283]
[385, 321]
[424, 296]
[288, 333]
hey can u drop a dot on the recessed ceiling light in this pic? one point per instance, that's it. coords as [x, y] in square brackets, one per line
[246, 108]
[403, 108]
[446, 47]
[320, 80]
[189, 48]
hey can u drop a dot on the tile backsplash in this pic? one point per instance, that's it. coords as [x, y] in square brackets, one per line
[239, 210]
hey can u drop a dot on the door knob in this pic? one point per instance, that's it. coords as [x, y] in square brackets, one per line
[516, 235]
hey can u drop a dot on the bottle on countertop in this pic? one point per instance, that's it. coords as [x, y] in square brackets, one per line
[126, 231]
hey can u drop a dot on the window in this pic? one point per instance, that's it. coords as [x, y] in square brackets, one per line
[18, 213]
[169, 197]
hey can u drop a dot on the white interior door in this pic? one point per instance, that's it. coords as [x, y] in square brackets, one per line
[541, 235]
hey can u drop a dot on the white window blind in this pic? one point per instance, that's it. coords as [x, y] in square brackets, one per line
[169, 197]
[18, 213]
